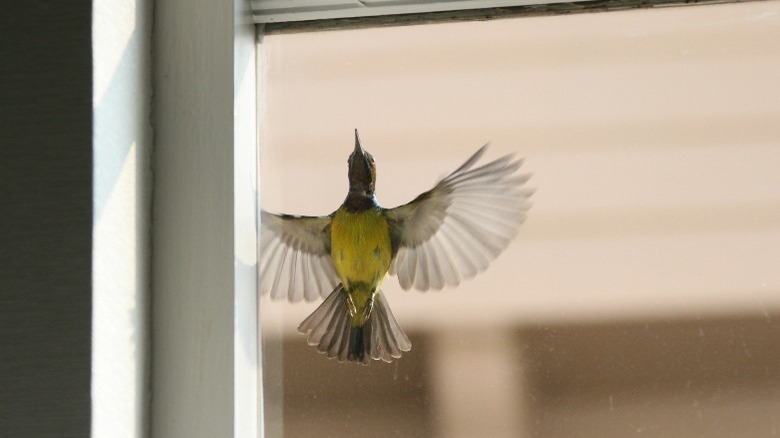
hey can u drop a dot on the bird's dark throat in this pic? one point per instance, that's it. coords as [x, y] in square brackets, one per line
[359, 201]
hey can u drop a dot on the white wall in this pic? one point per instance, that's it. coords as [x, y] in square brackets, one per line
[122, 199]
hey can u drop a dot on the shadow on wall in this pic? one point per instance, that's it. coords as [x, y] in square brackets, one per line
[716, 377]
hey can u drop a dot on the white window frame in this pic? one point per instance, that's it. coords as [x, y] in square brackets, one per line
[204, 357]
[279, 11]
[316, 13]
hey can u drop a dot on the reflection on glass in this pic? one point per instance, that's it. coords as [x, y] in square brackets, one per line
[642, 294]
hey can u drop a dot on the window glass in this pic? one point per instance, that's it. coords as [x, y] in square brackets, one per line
[643, 292]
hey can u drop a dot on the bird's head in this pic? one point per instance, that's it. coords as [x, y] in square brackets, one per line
[362, 172]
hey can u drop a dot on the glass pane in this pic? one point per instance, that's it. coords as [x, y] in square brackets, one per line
[643, 292]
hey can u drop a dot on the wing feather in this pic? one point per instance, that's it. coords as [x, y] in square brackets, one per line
[453, 231]
[295, 261]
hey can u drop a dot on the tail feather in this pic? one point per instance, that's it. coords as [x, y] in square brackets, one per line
[334, 333]
[357, 344]
[389, 339]
[329, 329]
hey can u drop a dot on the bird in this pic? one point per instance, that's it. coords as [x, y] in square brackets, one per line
[443, 236]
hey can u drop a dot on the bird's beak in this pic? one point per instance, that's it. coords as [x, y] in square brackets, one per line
[358, 146]
[360, 167]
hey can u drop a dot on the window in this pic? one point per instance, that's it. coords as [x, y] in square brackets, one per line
[640, 296]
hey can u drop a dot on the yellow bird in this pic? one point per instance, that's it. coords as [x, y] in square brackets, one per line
[443, 236]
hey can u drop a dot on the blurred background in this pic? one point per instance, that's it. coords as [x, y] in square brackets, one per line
[641, 297]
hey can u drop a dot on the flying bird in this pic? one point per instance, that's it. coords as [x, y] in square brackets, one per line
[443, 236]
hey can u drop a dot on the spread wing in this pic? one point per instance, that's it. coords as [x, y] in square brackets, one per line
[456, 229]
[295, 259]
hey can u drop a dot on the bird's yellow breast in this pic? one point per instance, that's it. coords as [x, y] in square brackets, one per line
[360, 247]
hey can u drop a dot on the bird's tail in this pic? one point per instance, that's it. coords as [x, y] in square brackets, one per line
[329, 329]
